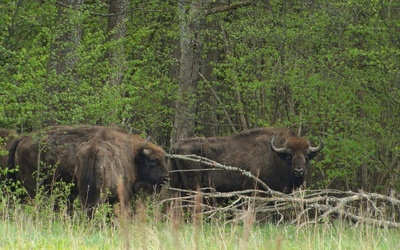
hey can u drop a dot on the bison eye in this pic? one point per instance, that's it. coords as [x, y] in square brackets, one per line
[285, 156]
[311, 155]
[152, 162]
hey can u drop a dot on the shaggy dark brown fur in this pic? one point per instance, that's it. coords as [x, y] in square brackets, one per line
[96, 156]
[111, 159]
[249, 150]
[55, 150]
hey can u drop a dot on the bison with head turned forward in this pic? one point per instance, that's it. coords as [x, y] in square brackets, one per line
[277, 156]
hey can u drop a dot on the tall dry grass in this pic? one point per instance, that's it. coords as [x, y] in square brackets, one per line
[35, 225]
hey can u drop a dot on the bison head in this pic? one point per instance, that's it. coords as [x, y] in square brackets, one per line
[297, 152]
[152, 166]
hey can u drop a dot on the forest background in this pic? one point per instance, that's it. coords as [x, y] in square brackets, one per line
[175, 69]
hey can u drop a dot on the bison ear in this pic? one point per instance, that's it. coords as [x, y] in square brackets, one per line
[312, 155]
[146, 152]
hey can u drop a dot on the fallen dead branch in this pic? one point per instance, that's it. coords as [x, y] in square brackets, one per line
[302, 207]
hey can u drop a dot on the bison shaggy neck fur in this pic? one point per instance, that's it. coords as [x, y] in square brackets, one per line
[249, 150]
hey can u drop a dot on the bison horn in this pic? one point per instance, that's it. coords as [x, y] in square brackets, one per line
[145, 142]
[146, 152]
[319, 147]
[275, 149]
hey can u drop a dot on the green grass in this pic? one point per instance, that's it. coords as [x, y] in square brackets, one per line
[29, 229]
[34, 225]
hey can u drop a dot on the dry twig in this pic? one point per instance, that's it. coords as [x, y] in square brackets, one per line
[301, 207]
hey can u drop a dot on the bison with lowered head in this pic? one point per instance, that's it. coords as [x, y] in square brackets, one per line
[57, 149]
[112, 165]
[277, 156]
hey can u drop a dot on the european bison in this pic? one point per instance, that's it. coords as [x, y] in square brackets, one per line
[55, 150]
[277, 156]
[112, 166]
[6, 138]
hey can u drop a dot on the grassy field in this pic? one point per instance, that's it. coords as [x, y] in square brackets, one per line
[33, 227]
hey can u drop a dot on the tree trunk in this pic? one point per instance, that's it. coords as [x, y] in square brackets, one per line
[64, 59]
[191, 22]
[117, 10]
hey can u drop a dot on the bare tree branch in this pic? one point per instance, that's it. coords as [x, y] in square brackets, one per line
[220, 102]
[205, 161]
[302, 207]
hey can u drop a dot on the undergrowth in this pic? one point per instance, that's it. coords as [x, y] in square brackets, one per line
[39, 224]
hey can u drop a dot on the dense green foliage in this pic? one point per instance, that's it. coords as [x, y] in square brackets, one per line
[329, 68]
[34, 94]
